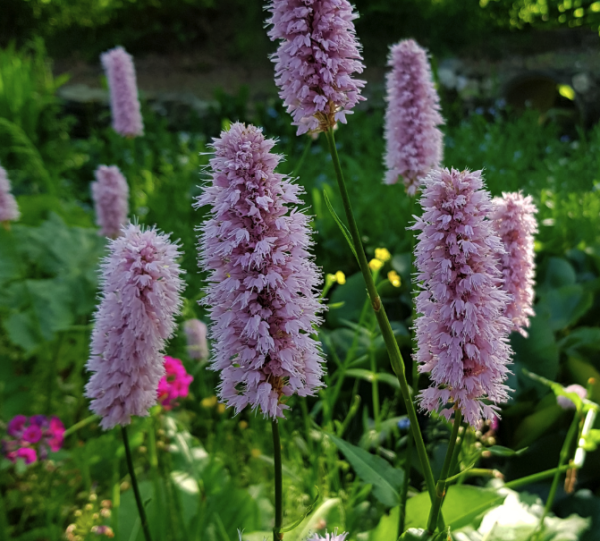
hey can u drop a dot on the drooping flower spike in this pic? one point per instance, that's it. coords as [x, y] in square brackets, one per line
[317, 57]
[262, 293]
[515, 224]
[196, 333]
[110, 194]
[124, 102]
[141, 285]
[414, 144]
[9, 211]
[461, 329]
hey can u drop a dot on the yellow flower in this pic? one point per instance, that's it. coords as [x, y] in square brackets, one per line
[382, 254]
[210, 402]
[340, 278]
[243, 425]
[221, 408]
[375, 264]
[255, 453]
[394, 278]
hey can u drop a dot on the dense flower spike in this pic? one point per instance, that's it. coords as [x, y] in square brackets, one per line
[461, 330]
[197, 345]
[8, 206]
[174, 384]
[32, 438]
[141, 286]
[110, 194]
[329, 537]
[315, 61]
[124, 102]
[262, 284]
[414, 144]
[515, 224]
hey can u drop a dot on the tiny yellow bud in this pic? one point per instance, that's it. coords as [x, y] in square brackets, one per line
[340, 278]
[330, 279]
[382, 254]
[375, 264]
[221, 408]
[394, 278]
[209, 402]
[243, 425]
[255, 453]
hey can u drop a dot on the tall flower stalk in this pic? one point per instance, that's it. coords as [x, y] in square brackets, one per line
[110, 194]
[9, 211]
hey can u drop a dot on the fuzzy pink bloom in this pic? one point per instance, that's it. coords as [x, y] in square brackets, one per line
[110, 194]
[515, 224]
[38, 434]
[329, 537]
[315, 61]
[261, 295]
[414, 144]
[174, 384]
[27, 454]
[9, 211]
[32, 434]
[55, 434]
[566, 403]
[462, 332]
[16, 426]
[124, 102]
[141, 287]
[197, 345]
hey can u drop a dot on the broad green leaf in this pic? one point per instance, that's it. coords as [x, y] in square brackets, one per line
[565, 305]
[370, 376]
[331, 511]
[580, 340]
[559, 273]
[536, 424]
[373, 469]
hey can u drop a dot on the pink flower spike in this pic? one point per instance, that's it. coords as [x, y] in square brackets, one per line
[329, 537]
[317, 56]
[32, 434]
[414, 144]
[9, 211]
[174, 384]
[27, 454]
[262, 284]
[16, 426]
[124, 103]
[514, 222]
[110, 194]
[141, 285]
[462, 331]
[197, 345]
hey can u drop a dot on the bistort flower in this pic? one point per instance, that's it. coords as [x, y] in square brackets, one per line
[197, 345]
[141, 285]
[317, 56]
[462, 331]
[174, 384]
[124, 102]
[414, 144]
[262, 295]
[110, 194]
[329, 537]
[9, 211]
[515, 224]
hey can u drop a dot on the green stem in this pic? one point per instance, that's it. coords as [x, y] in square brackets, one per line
[440, 489]
[457, 449]
[134, 484]
[386, 330]
[116, 496]
[404, 495]
[517, 483]
[303, 157]
[278, 482]
[80, 424]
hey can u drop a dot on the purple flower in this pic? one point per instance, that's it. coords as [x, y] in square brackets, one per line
[141, 287]
[124, 103]
[566, 403]
[462, 332]
[31, 436]
[8, 205]
[262, 294]
[514, 222]
[16, 426]
[195, 332]
[315, 61]
[110, 194]
[414, 144]
[329, 537]
[174, 384]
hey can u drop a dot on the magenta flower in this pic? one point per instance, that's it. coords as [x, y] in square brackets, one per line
[315, 61]
[33, 436]
[414, 144]
[566, 403]
[262, 294]
[141, 287]
[515, 224]
[124, 103]
[26, 453]
[16, 426]
[9, 211]
[197, 345]
[174, 384]
[462, 332]
[110, 194]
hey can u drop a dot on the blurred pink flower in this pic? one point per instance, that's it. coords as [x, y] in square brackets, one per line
[26, 453]
[110, 194]
[197, 345]
[16, 426]
[174, 384]
[9, 211]
[566, 403]
[33, 436]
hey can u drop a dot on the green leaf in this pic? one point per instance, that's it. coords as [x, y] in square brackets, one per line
[498, 450]
[340, 224]
[330, 511]
[367, 375]
[565, 305]
[580, 340]
[559, 390]
[298, 521]
[373, 469]
[559, 273]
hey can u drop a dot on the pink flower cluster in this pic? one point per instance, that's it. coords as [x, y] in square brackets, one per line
[462, 331]
[9, 211]
[33, 437]
[110, 194]
[315, 61]
[141, 285]
[414, 144]
[124, 103]
[514, 222]
[174, 384]
[197, 345]
[262, 280]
